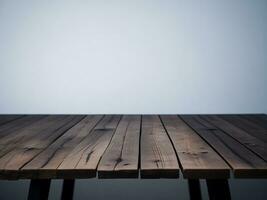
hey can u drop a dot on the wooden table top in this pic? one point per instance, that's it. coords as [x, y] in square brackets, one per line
[132, 146]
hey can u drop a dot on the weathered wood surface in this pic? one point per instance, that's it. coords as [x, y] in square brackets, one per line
[46, 163]
[197, 158]
[12, 134]
[158, 158]
[4, 119]
[14, 127]
[245, 163]
[261, 119]
[121, 156]
[251, 142]
[129, 146]
[245, 124]
[84, 158]
[33, 140]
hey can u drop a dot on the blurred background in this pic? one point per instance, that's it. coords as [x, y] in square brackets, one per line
[142, 56]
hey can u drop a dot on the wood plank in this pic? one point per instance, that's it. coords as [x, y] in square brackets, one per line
[15, 126]
[247, 125]
[14, 129]
[197, 158]
[158, 158]
[36, 138]
[245, 163]
[40, 127]
[46, 163]
[260, 119]
[120, 160]
[251, 142]
[68, 147]
[4, 119]
[16, 138]
[82, 161]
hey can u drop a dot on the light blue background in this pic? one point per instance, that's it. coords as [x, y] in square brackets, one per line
[141, 56]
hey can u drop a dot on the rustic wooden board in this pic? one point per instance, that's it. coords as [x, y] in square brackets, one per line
[248, 126]
[35, 139]
[8, 118]
[120, 160]
[14, 130]
[34, 129]
[115, 146]
[197, 158]
[158, 158]
[245, 163]
[82, 161]
[16, 138]
[46, 163]
[14, 127]
[254, 144]
[260, 120]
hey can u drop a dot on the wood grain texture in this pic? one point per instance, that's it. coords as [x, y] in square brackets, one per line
[40, 127]
[248, 126]
[115, 146]
[46, 163]
[15, 133]
[82, 161]
[4, 119]
[197, 158]
[158, 158]
[245, 163]
[259, 119]
[14, 127]
[254, 144]
[11, 134]
[34, 140]
[120, 160]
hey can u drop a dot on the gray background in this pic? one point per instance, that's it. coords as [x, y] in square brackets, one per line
[141, 56]
[158, 189]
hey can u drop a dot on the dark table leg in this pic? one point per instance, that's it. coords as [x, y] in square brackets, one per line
[194, 189]
[218, 189]
[39, 189]
[68, 189]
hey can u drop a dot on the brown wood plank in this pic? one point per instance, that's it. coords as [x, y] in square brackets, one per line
[16, 138]
[120, 159]
[32, 130]
[245, 163]
[46, 163]
[158, 158]
[14, 129]
[68, 146]
[197, 158]
[254, 144]
[82, 161]
[31, 135]
[247, 125]
[15, 126]
[4, 119]
[35, 138]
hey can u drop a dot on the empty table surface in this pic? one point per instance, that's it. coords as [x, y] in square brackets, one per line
[132, 146]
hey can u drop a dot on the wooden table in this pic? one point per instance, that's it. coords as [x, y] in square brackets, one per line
[211, 147]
